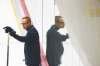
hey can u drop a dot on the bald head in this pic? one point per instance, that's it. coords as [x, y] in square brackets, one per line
[27, 18]
[26, 22]
[59, 21]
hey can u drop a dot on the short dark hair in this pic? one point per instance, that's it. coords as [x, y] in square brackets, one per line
[27, 17]
[57, 18]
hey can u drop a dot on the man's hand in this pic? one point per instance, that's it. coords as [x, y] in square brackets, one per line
[9, 30]
[67, 35]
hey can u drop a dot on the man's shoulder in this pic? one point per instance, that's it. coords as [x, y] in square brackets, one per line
[33, 30]
[52, 29]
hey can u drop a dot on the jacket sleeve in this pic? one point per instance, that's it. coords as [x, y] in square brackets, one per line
[62, 37]
[20, 38]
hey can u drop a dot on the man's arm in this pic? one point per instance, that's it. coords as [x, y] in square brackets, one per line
[19, 38]
[13, 34]
[62, 37]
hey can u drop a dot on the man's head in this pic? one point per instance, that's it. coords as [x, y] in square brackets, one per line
[59, 21]
[26, 22]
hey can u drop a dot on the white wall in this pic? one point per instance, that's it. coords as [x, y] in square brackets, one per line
[84, 30]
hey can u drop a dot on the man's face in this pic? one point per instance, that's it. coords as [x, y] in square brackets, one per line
[26, 23]
[60, 23]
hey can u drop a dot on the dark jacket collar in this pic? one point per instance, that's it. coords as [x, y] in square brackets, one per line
[29, 27]
[54, 27]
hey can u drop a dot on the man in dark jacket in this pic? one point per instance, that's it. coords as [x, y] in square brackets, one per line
[31, 47]
[54, 42]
